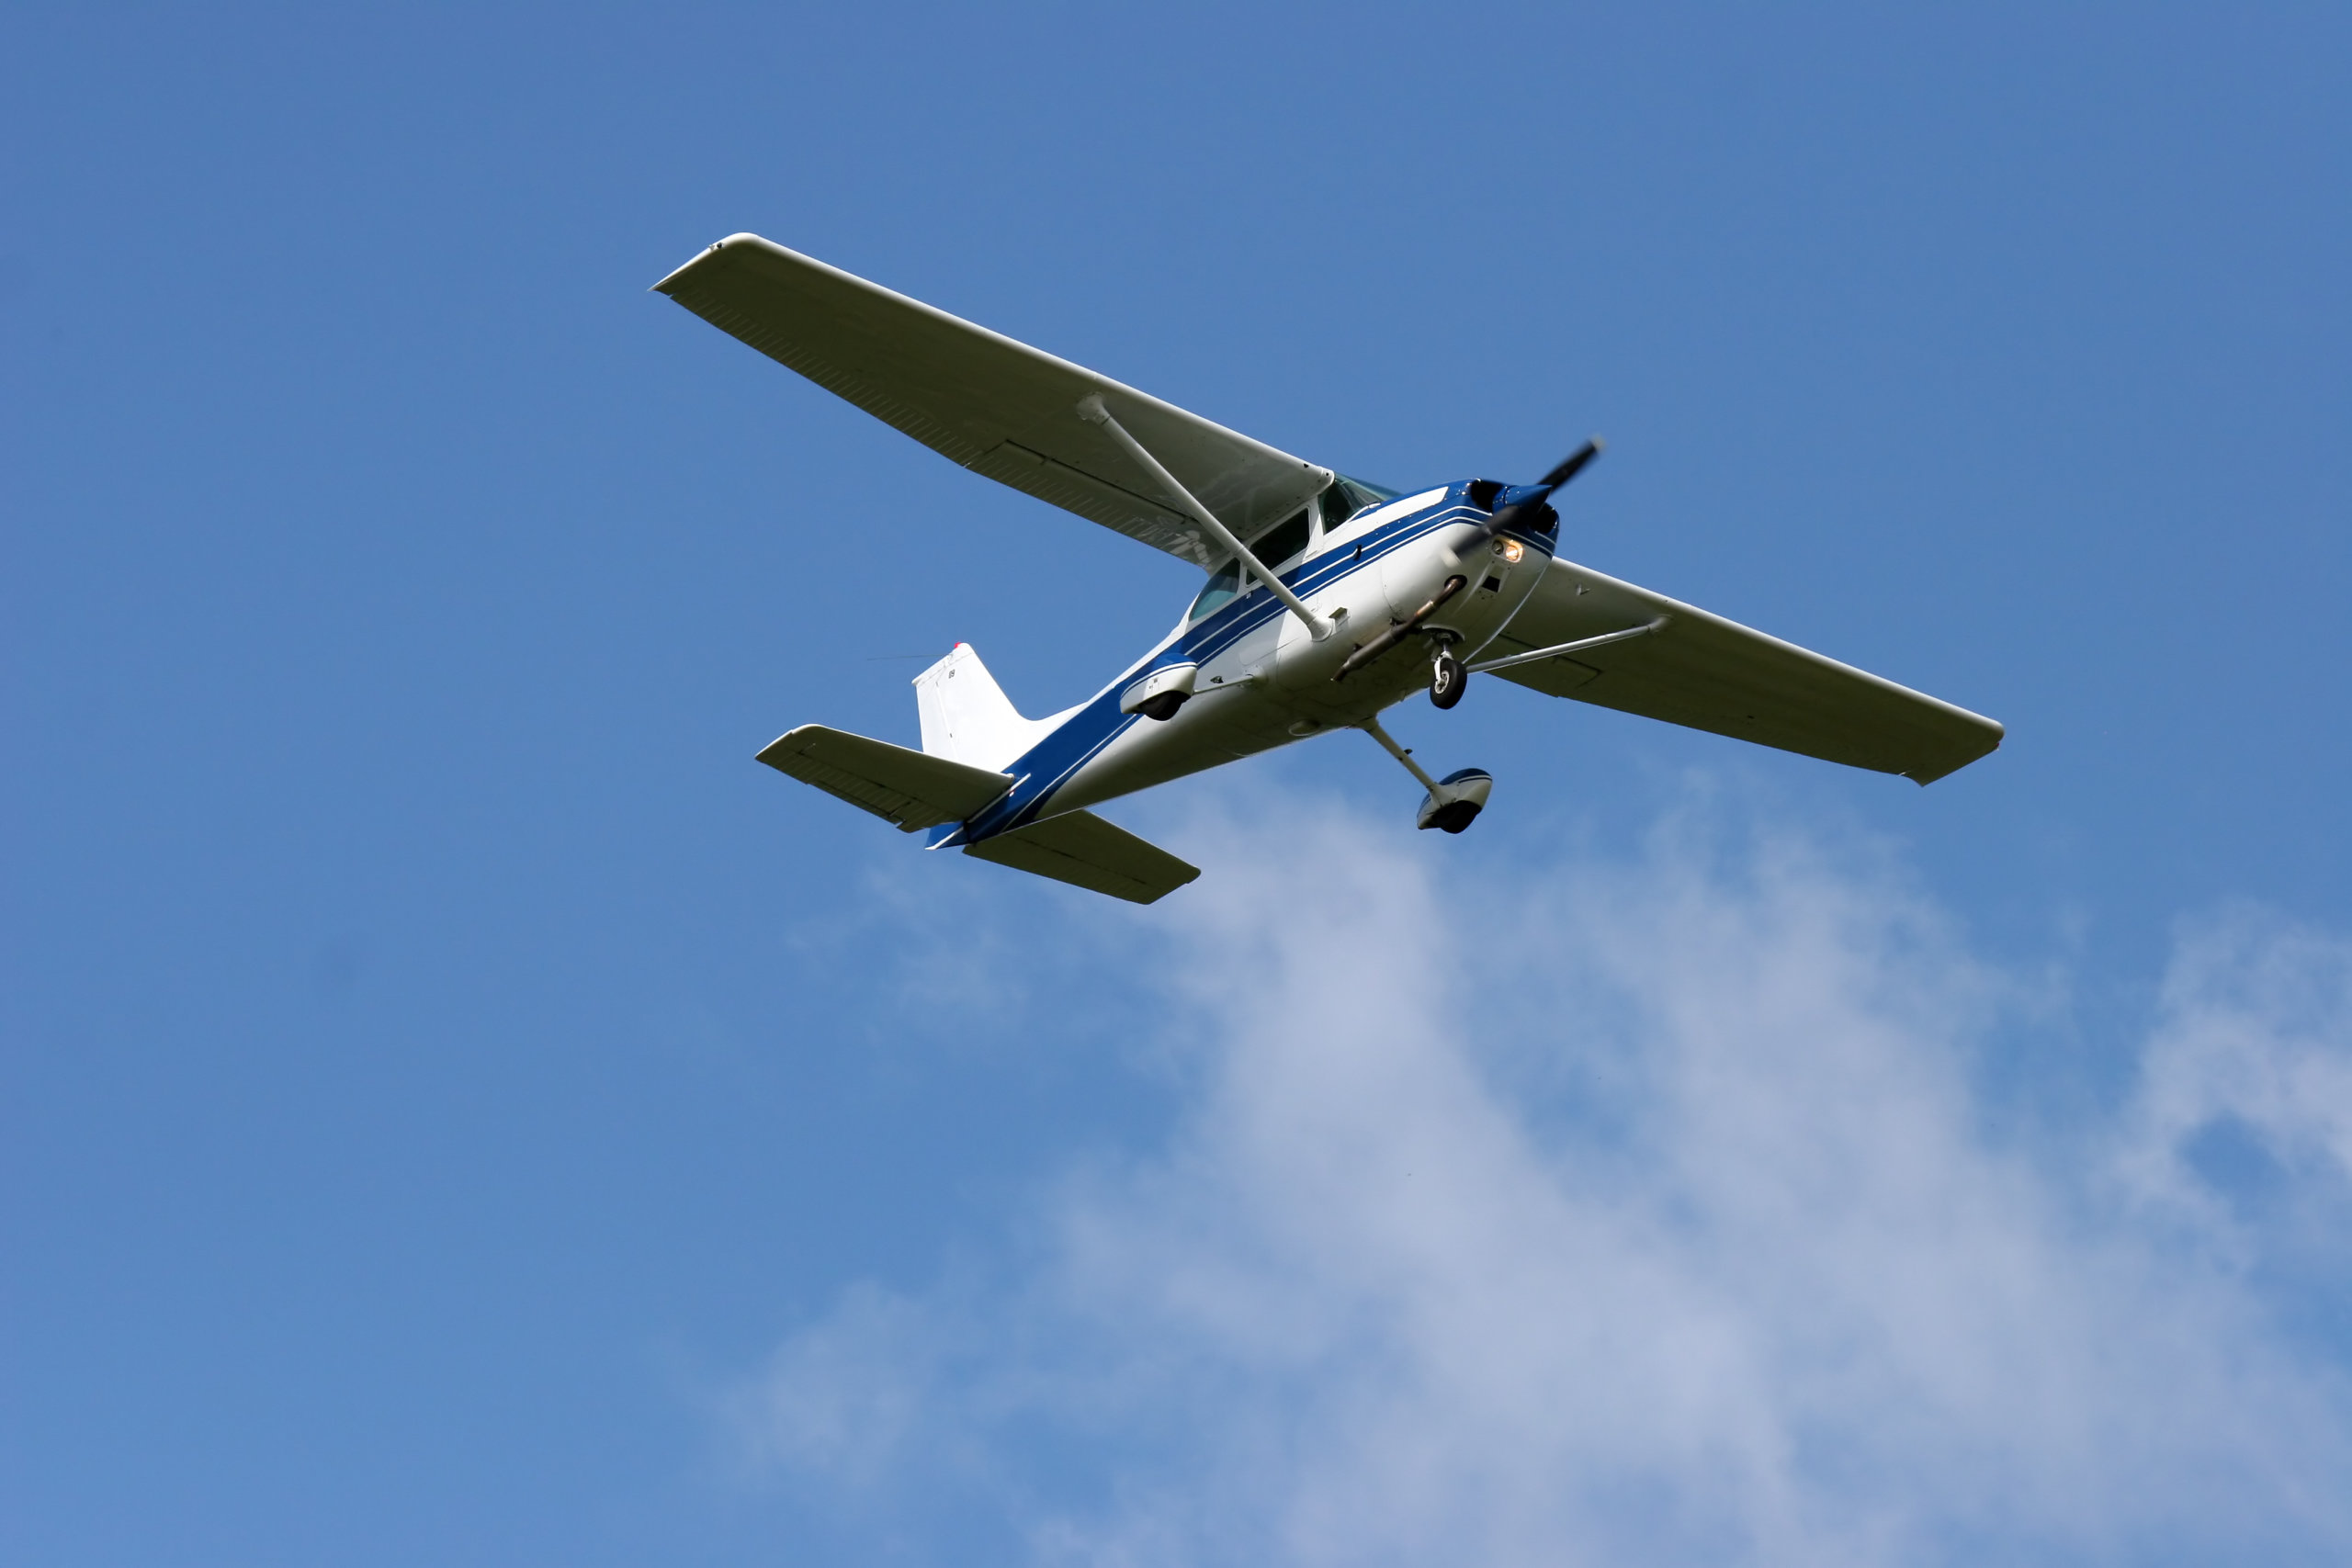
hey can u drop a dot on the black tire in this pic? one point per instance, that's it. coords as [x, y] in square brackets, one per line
[1454, 816]
[1447, 679]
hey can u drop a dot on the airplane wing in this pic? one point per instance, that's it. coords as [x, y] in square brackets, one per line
[997, 407]
[1083, 850]
[1705, 672]
[910, 790]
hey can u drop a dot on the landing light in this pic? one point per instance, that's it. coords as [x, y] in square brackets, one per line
[1510, 549]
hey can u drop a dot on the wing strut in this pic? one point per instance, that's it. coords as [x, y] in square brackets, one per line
[1388, 743]
[1576, 646]
[1092, 412]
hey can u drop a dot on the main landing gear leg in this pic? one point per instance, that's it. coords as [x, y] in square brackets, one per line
[1453, 801]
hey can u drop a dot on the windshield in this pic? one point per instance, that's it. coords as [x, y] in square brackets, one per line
[1346, 497]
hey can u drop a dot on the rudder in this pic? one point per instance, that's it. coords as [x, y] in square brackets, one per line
[967, 718]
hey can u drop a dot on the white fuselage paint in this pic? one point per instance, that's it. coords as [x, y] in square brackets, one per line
[1272, 685]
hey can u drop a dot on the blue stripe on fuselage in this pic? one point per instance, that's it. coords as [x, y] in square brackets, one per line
[1049, 765]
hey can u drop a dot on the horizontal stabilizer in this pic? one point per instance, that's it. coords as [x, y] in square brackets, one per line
[907, 789]
[1083, 850]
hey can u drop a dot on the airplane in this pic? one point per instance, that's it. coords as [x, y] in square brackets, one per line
[1327, 600]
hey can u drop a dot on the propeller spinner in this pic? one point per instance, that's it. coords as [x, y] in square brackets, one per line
[1525, 504]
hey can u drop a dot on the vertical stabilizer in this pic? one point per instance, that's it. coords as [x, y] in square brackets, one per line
[967, 718]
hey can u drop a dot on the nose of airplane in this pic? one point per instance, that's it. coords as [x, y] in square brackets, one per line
[1542, 519]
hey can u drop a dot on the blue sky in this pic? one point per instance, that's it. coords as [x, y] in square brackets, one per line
[459, 1108]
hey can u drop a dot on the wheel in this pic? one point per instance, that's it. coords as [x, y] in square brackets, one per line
[1454, 816]
[1446, 679]
[1161, 705]
[1454, 802]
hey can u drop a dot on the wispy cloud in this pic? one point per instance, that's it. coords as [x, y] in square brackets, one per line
[2240, 1132]
[1635, 1210]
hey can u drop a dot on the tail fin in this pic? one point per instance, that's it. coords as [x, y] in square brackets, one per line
[967, 718]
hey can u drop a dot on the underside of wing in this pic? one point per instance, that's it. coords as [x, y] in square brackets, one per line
[999, 407]
[1083, 850]
[1707, 672]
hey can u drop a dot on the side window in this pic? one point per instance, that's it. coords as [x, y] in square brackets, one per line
[1280, 542]
[1222, 586]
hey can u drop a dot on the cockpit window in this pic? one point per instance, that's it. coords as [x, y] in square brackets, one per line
[1222, 586]
[1340, 500]
[1280, 542]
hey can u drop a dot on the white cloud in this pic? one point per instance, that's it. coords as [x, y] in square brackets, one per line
[1643, 1213]
[842, 1397]
[2251, 1066]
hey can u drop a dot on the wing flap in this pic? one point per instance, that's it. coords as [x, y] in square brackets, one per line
[1083, 850]
[1096, 499]
[910, 790]
[1707, 672]
[986, 401]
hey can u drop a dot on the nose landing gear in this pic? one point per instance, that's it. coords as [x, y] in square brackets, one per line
[1447, 678]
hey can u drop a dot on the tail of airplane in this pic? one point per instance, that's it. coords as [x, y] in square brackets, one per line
[967, 718]
[971, 734]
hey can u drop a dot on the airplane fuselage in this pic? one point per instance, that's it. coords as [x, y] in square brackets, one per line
[1261, 680]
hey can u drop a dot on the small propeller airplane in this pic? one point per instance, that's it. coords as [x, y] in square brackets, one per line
[1328, 600]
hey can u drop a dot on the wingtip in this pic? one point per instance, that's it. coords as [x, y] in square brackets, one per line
[701, 256]
[790, 743]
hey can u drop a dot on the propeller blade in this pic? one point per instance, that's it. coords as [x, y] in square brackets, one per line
[1570, 467]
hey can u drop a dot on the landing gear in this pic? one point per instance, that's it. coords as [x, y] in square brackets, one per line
[1161, 705]
[1447, 677]
[1454, 801]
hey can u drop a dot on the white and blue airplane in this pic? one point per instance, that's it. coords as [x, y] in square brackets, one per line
[1328, 601]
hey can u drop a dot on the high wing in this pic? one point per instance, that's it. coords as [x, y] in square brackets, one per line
[997, 407]
[1705, 672]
